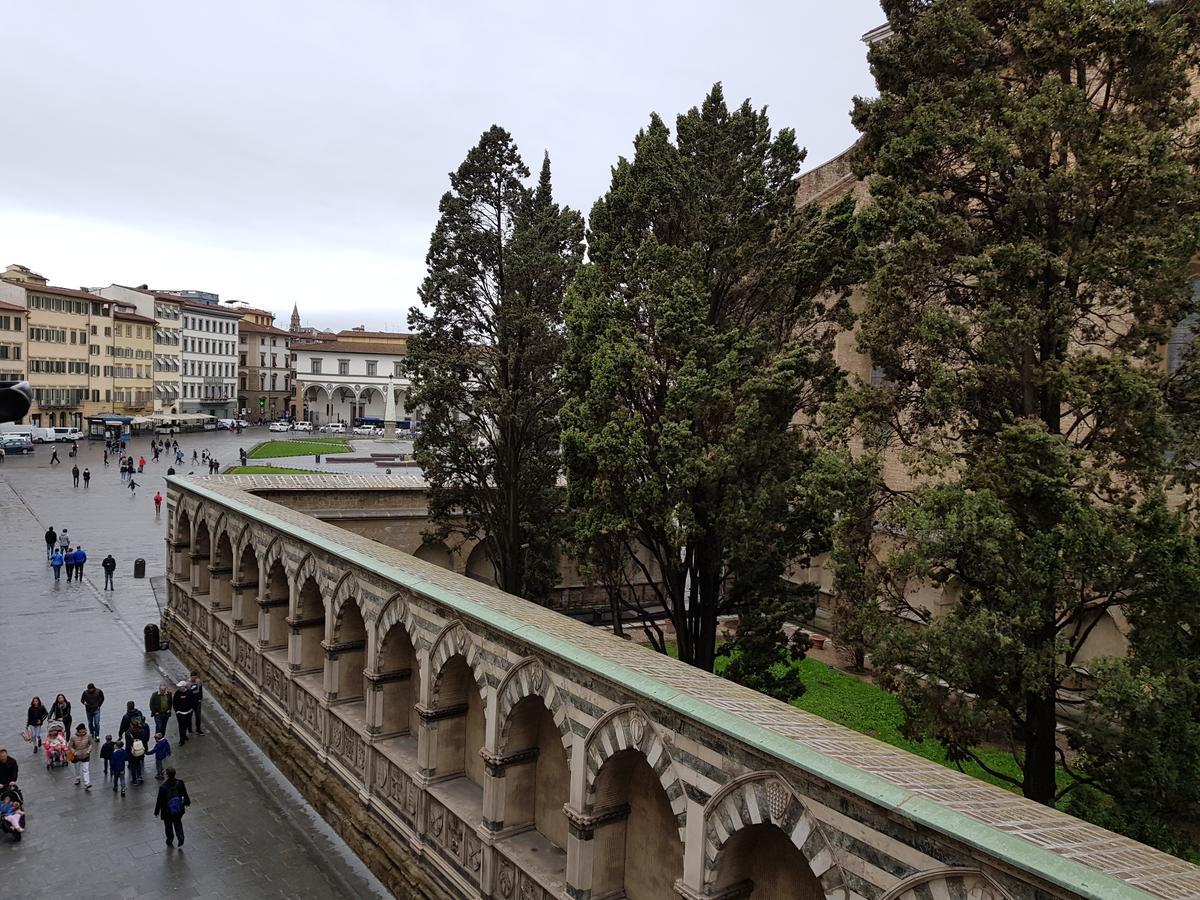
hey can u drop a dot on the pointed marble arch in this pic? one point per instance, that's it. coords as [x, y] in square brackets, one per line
[347, 588]
[947, 882]
[271, 554]
[396, 611]
[628, 728]
[765, 798]
[305, 569]
[529, 678]
[453, 640]
[185, 508]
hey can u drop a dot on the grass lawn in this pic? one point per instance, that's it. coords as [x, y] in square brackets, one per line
[867, 709]
[306, 447]
[268, 470]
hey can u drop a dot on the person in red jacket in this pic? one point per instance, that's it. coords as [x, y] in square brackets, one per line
[157, 504]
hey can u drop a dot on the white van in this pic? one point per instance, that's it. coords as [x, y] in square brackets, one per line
[10, 428]
[302, 426]
[66, 434]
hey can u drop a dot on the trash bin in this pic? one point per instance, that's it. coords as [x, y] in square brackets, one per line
[139, 568]
[152, 638]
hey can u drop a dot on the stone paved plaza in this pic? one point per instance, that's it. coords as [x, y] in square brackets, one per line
[249, 834]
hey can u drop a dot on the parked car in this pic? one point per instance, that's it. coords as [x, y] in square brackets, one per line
[67, 435]
[334, 427]
[364, 430]
[16, 443]
[279, 426]
[303, 426]
[242, 423]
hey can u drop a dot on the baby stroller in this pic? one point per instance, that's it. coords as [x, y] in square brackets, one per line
[55, 744]
[7, 795]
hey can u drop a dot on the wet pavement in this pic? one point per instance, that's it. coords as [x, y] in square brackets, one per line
[249, 833]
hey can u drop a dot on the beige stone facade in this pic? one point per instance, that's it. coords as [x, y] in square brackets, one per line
[264, 368]
[132, 363]
[12, 341]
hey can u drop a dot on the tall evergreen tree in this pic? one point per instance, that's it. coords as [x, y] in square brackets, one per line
[1034, 204]
[485, 358]
[698, 337]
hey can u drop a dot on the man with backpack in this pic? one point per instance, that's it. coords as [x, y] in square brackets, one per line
[139, 741]
[172, 800]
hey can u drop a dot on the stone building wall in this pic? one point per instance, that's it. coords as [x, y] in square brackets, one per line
[467, 743]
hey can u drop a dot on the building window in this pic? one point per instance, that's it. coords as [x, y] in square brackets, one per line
[316, 367]
[343, 367]
[372, 368]
[397, 368]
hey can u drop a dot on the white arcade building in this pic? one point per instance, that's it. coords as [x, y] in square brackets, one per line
[346, 379]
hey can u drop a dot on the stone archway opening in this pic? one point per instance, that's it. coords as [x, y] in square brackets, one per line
[347, 654]
[458, 723]
[273, 633]
[537, 779]
[760, 862]
[200, 556]
[479, 567]
[308, 626]
[637, 847]
[221, 574]
[245, 588]
[181, 558]
[435, 552]
[397, 684]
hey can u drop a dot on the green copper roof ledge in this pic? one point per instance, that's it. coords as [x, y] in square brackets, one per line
[1061, 871]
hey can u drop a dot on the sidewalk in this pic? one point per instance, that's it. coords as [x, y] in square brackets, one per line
[249, 834]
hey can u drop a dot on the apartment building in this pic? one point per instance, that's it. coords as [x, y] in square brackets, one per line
[12, 342]
[66, 336]
[132, 368]
[209, 356]
[164, 309]
[264, 367]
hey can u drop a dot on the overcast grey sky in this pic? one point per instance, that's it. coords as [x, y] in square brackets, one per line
[282, 151]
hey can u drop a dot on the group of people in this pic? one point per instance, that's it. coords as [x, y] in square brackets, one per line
[61, 554]
[123, 756]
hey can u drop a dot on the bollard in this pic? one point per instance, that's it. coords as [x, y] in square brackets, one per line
[139, 568]
[151, 635]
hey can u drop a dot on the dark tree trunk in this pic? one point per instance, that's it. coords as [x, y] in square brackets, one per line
[1040, 754]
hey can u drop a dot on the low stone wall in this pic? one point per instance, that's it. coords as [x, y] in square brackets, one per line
[339, 801]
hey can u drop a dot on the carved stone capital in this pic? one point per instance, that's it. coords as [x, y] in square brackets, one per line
[496, 763]
[584, 825]
[446, 712]
[382, 678]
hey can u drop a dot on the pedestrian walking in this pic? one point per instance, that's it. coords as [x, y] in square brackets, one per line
[92, 699]
[196, 456]
[9, 768]
[106, 457]
[157, 504]
[196, 690]
[162, 749]
[170, 805]
[116, 765]
[80, 750]
[69, 562]
[64, 541]
[54, 460]
[160, 708]
[34, 720]
[61, 709]
[109, 565]
[141, 464]
[181, 701]
[87, 478]
[80, 559]
[75, 475]
[132, 485]
[106, 752]
[139, 739]
[133, 718]
[56, 563]
[51, 540]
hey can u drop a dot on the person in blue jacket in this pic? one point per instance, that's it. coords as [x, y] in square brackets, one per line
[56, 563]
